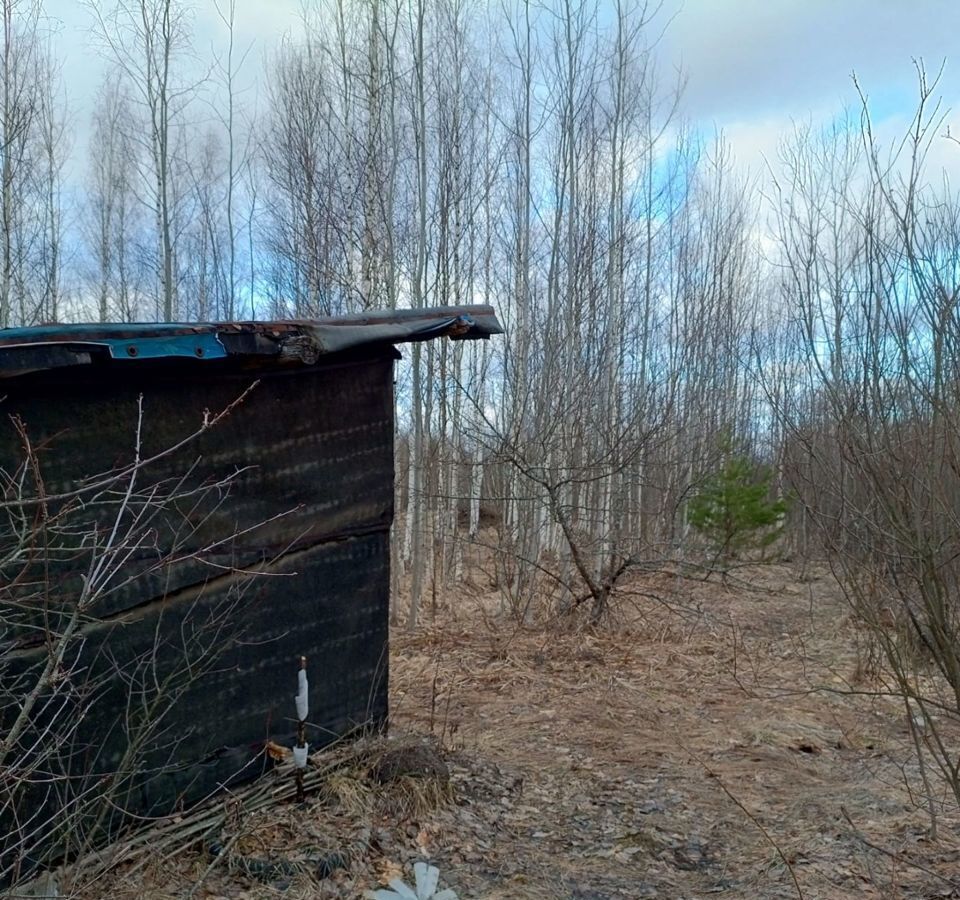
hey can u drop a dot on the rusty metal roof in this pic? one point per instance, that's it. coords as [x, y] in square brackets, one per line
[24, 350]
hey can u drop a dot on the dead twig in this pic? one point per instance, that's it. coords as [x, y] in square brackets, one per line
[891, 854]
[756, 822]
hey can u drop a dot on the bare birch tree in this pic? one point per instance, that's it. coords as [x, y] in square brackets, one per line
[147, 40]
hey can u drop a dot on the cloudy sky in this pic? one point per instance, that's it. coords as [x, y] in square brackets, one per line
[755, 65]
[752, 66]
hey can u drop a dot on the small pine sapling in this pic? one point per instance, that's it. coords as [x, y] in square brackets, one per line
[734, 512]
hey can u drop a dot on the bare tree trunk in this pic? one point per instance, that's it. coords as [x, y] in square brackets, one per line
[417, 498]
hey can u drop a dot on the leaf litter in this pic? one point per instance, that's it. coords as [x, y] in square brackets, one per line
[717, 745]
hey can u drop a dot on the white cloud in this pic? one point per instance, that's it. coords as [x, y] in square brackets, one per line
[259, 25]
[753, 66]
[759, 58]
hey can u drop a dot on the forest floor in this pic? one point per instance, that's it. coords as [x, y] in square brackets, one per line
[714, 740]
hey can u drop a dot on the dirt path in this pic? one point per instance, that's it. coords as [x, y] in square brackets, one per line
[714, 742]
[710, 748]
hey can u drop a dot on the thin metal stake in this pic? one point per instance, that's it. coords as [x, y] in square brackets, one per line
[301, 729]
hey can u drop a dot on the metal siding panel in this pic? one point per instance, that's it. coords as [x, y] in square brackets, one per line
[321, 439]
[316, 445]
[329, 603]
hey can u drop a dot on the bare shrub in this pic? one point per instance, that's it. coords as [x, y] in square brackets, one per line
[87, 684]
[872, 253]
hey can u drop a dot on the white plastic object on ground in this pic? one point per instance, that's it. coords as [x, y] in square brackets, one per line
[427, 877]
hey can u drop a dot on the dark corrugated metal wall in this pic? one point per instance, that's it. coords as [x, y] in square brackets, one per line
[314, 502]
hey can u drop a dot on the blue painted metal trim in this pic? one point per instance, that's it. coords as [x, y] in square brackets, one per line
[194, 346]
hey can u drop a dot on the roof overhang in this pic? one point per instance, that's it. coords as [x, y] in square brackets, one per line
[24, 350]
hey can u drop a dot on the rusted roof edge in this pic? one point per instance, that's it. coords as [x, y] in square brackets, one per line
[306, 340]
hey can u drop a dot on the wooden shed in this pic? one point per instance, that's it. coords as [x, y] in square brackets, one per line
[226, 550]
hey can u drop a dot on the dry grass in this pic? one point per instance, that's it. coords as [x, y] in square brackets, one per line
[714, 740]
[266, 845]
[732, 720]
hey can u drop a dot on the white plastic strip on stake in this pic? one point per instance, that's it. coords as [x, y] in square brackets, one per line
[300, 756]
[302, 704]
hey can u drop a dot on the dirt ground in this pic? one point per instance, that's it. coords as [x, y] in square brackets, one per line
[718, 742]
[715, 740]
